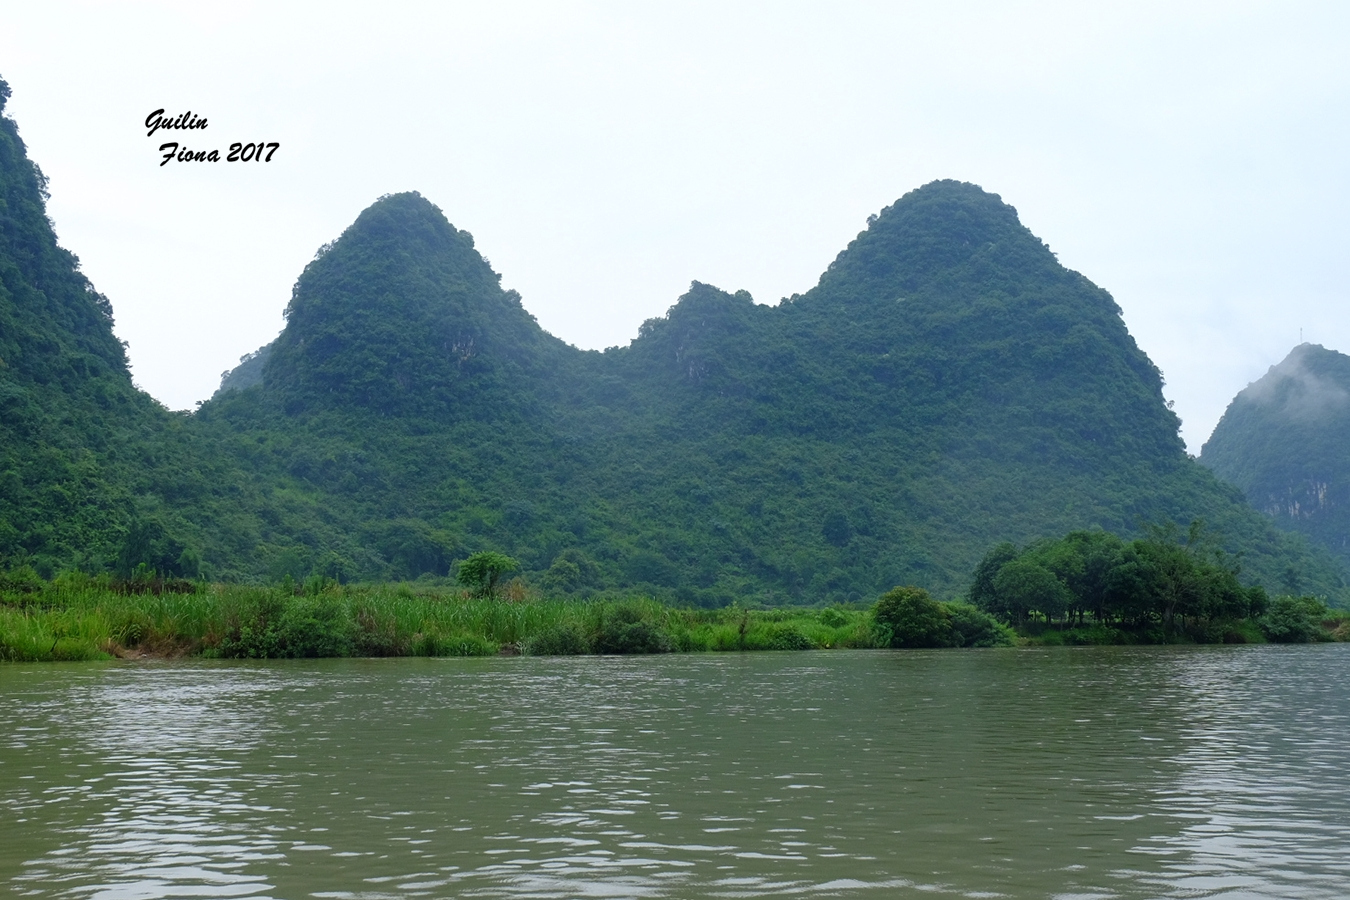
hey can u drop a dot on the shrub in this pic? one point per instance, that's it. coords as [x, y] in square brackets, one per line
[625, 631]
[562, 577]
[783, 636]
[833, 617]
[557, 640]
[973, 628]
[911, 618]
[481, 571]
[316, 627]
[1293, 620]
[294, 627]
[21, 580]
[635, 637]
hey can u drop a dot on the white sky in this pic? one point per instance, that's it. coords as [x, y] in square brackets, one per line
[1190, 158]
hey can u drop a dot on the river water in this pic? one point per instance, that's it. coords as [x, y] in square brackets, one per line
[1063, 773]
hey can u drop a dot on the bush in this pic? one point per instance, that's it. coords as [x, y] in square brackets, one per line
[1294, 620]
[625, 631]
[557, 640]
[833, 617]
[295, 627]
[973, 628]
[481, 571]
[908, 617]
[783, 636]
[21, 580]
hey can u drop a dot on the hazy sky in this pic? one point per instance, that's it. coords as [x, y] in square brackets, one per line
[1190, 158]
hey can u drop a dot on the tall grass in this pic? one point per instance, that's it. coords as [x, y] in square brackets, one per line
[77, 617]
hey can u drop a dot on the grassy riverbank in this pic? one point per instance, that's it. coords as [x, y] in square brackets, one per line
[78, 617]
[75, 617]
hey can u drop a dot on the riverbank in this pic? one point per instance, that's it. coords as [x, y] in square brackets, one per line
[78, 617]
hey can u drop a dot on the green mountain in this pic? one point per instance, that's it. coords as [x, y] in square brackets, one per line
[94, 473]
[945, 386]
[1285, 440]
[72, 426]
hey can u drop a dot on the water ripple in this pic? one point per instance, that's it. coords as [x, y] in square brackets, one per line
[1095, 773]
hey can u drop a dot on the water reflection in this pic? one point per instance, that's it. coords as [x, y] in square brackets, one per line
[1102, 773]
[168, 792]
[1259, 799]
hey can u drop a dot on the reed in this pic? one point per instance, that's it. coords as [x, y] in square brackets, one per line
[79, 617]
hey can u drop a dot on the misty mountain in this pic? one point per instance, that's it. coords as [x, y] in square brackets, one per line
[1285, 440]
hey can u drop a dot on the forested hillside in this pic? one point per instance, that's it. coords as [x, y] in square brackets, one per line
[946, 386]
[74, 432]
[1285, 440]
[94, 473]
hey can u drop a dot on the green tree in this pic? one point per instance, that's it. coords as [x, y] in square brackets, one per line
[1176, 572]
[982, 594]
[481, 571]
[1293, 620]
[913, 619]
[1024, 586]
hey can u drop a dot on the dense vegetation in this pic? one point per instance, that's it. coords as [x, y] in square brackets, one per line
[947, 385]
[1284, 441]
[1114, 584]
[94, 474]
[1157, 579]
[81, 617]
[1095, 587]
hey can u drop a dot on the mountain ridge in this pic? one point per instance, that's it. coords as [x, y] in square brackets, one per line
[945, 346]
[945, 386]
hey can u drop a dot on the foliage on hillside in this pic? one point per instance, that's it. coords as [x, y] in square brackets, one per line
[947, 385]
[1285, 441]
[72, 426]
[95, 474]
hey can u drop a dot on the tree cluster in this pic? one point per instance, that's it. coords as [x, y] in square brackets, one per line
[1165, 578]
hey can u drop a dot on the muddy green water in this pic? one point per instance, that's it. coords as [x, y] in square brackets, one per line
[1093, 773]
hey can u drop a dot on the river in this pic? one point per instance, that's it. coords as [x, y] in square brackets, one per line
[1057, 773]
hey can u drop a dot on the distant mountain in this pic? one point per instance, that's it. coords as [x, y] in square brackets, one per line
[1285, 440]
[945, 386]
[248, 372]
